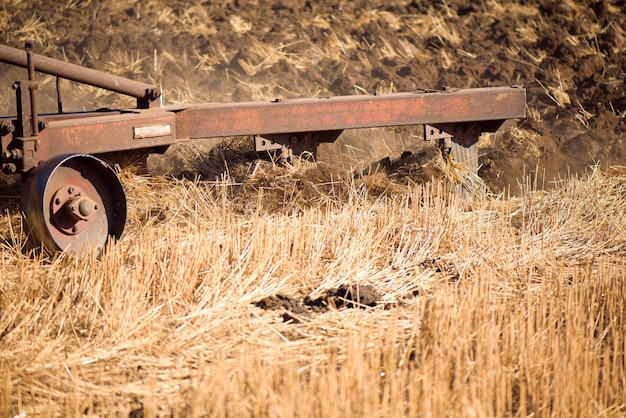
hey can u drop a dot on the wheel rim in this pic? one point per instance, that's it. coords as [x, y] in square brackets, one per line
[74, 203]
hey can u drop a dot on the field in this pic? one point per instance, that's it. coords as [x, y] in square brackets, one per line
[248, 287]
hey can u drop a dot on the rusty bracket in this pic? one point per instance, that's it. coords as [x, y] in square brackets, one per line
[24, 125]
[28, 149]
[21, 156]
[26, 136]
[295, 144]
[432, 133]
[458, 142]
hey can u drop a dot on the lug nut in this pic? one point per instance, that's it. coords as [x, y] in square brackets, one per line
[6, 128]
[12, 154]
[9, 168]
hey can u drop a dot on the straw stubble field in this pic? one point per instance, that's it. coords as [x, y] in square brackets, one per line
[485, 307]
[261, 289]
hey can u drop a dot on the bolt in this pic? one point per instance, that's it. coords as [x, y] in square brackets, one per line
[12, 154]
[43, 124]
[153, 94]
[70, 190]
[9, 168]
[73, 208]
[74, 229]
[57, 201]
[6, 128]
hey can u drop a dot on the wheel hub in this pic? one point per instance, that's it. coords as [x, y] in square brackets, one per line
[71, 210]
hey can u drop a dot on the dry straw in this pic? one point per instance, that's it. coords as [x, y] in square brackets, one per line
[488, 306]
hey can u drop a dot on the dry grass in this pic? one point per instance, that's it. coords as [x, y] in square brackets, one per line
[489, 307]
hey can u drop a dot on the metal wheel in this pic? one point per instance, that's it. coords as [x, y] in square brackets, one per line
[73, 203]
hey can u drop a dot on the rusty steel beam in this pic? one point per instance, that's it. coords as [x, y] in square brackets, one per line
[103, 133]
[349, 112]
[137, 89]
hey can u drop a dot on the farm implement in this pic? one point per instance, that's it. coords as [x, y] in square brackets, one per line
[73, 200]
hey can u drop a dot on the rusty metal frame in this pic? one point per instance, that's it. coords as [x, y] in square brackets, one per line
[295, 126]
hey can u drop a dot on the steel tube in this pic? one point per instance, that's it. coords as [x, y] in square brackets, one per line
[80, 74]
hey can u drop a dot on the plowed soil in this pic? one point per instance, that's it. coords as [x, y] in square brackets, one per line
[570, 55]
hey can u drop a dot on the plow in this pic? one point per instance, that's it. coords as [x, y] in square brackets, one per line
[72, 198]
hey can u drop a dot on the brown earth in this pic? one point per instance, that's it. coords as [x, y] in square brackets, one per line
[344, 296]
[571, 56]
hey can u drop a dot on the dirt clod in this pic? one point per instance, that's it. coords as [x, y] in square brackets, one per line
[346, 296]
[293, 308]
